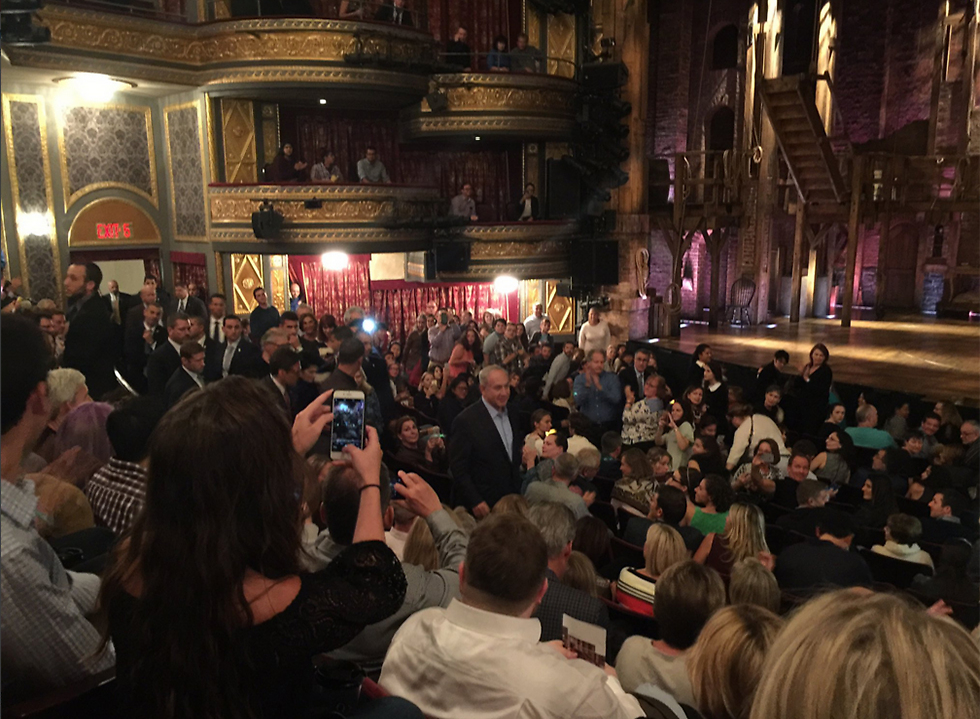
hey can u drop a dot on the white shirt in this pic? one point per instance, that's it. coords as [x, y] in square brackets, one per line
[395, 539]
[279, 385]
[577, 443]
[221, 330]
[594, 337]
[229, 356]
[758, 427]
[175, 345]
[467, 662]
[194, 376]
[533, 324]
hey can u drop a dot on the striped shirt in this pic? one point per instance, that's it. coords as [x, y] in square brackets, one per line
[117, 493]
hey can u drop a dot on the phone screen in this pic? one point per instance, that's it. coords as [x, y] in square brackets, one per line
[348, 423]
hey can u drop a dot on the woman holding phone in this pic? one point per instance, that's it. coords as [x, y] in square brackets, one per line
[760, 475]
[676, 432]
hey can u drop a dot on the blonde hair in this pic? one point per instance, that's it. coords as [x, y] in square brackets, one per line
[589, 458]
[511, 504]
[726, 661]
[858, 656]
[63, 385]
[745, 531]
[663, 548]
[420, 547]
[752, 583]
[580, 574]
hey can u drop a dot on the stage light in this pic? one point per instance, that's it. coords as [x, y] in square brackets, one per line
[683, 325]
[505, 284]
[369, 325]
[36, 224]
[771, 326]
[653, 341]
[336, 261]
[323, 101]
[94, 86]
[477, 138]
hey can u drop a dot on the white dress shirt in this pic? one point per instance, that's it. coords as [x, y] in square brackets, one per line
[194, 376]
[467, 662]
[229, 356]
[216, 324]
[502, 422]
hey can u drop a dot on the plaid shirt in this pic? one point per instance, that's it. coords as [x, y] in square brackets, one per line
[47, 642]
[117, 493]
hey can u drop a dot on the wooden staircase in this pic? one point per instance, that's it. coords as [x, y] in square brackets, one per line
[792, 109]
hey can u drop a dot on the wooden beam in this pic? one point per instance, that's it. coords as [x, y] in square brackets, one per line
[797, 278]
[884, 237]
[811, 280]
[853, 224]
[716, 244]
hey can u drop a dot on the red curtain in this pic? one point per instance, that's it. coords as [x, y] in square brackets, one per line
[330, 291]
[398, 303]
[191, 267]
[346, 134]
[483, 20]
[487, 171]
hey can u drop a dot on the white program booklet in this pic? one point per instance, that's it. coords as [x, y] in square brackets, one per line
[586, 640]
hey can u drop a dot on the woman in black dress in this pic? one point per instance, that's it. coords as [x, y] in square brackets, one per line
[815, 380]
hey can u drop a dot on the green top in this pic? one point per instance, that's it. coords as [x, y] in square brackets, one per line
[870, 437]
[708, 523]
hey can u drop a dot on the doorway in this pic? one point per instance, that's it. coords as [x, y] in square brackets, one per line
[901, 261]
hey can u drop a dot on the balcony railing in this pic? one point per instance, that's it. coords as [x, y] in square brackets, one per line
[414, 14]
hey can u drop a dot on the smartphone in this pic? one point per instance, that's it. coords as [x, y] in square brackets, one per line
[348, 422]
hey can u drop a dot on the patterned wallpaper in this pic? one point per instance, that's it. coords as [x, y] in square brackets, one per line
[27, 153]
[185, 171]
[107, 146]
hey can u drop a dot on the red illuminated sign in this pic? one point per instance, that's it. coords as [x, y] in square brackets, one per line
[113, 230]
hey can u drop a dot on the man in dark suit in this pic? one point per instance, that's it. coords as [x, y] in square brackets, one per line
[556, 522]
[188, 375]
[395, 13]
[811, 500]
[526, 208]
[636, 376]
[485, 447]
[118, 303]
[184, 302]
[90, 344]
[134, 315]
[162, 296]
[825, 561]
[234, 356]
[165, 359]
[196, 332]
[283, 376]
[944, 518]
[139, 343]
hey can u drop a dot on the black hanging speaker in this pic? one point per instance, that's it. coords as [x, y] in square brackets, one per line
[594, 263]
[452, 257]
[564, 191]
[598, 76]
[267, 223]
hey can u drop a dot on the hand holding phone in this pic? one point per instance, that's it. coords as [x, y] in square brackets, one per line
[347, 428]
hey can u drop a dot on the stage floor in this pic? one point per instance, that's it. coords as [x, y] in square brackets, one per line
[913, 353]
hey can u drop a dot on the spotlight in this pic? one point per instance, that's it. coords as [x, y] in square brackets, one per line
[94, 85]
[323, 101]
[369, 325]
[505, 284]
[336, 261]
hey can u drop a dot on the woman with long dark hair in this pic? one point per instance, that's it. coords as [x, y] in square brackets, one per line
[462, 358]
[814, 386]
[285, 166]
[879, 502]
[326, 326]
[209, 611]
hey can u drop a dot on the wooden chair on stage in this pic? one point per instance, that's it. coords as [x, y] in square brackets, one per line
[742, 292]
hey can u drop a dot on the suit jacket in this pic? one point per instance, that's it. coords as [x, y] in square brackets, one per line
[179, 384]
[246, 362]
[282, 401]
[517, 209]
[124, 302]
[91, 346]
[627, 377]
[483, 469]
[561, 599]
[160, 367]
[387, 14]
[135, 353]
[193, 306]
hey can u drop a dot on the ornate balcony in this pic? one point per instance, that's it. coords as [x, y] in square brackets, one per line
[359, 216]
[496, 105]
[522, 249]
[374, 59]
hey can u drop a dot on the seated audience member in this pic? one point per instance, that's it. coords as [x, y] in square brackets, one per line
[668, 505]
[770, 405]
[675, 432]
[811, 497]
[554, 445]
[662, 549]
[752, 582]
[688, 594]
[897, 425]
[866, 435]
[285, 167]
[850, 654]
[47, 641]
[458, 53]
[726, 661]
[540, 427]
[612, 448]
[831, 464]
[84, 427]
[579, 427]
[581, 574]
[524, 57]
[826, 561]
[431, 586]
[749, 430]
[931, 423]
[189, 376]
[526, 208]
[66, 391]
[395, 13]
[463, 204]
[950, 422]
[482, 655]
[952, 581]
[371, 170]
[944, 523]
[427, 398]
[712, 499]
[771, 374]
[641, 415]
[117, 492]
[589, 460]
[512, 503]
[557, 525]
[234, 487]
[62, 508]
[428, 453]
[797, 470]
[758, 479]
[744, 538]
[556, 488]
[326, 170]
[706, 456]
[498, 59]
[633, 491]
[901, 533]
[970, 437]
[879, 502]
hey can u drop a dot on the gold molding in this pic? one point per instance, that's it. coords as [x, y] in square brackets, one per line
[3, 244]
[110, 243]
[212, 141]
[71, 199]
[561, 44]
[278, 269]
[220, 274]
[340, 237]
[246, 275]
[238, 140]
[521, 232]
[170, 169]
[37, 100]
[536, 127]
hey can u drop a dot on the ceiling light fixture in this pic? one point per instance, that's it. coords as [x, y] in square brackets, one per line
[94, 86]
[323, 101]
[335, 261]
[505, 284]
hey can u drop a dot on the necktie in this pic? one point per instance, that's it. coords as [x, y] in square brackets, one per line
[226, 363]
[180, 306]
[398, 17]
[214, 330]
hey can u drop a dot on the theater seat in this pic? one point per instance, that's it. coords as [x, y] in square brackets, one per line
[605, 512]
[626, 554]
[778, 538]
[897, 572]
[630, 623]
[92, 697]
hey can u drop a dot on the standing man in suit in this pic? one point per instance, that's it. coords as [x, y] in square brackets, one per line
[117, 302]
[89, 345]
[234, 356]
[140, 342]
[165, 359]
[185, 303]
[636, 376]
[485, 448]
[216, 318]
[137, 305]
[283, 376]
[196, 332]
[188, 376]
[162, 296]
[395, 13]
[264, 317]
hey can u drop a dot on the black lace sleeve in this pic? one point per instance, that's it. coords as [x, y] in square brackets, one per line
[363, 585]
